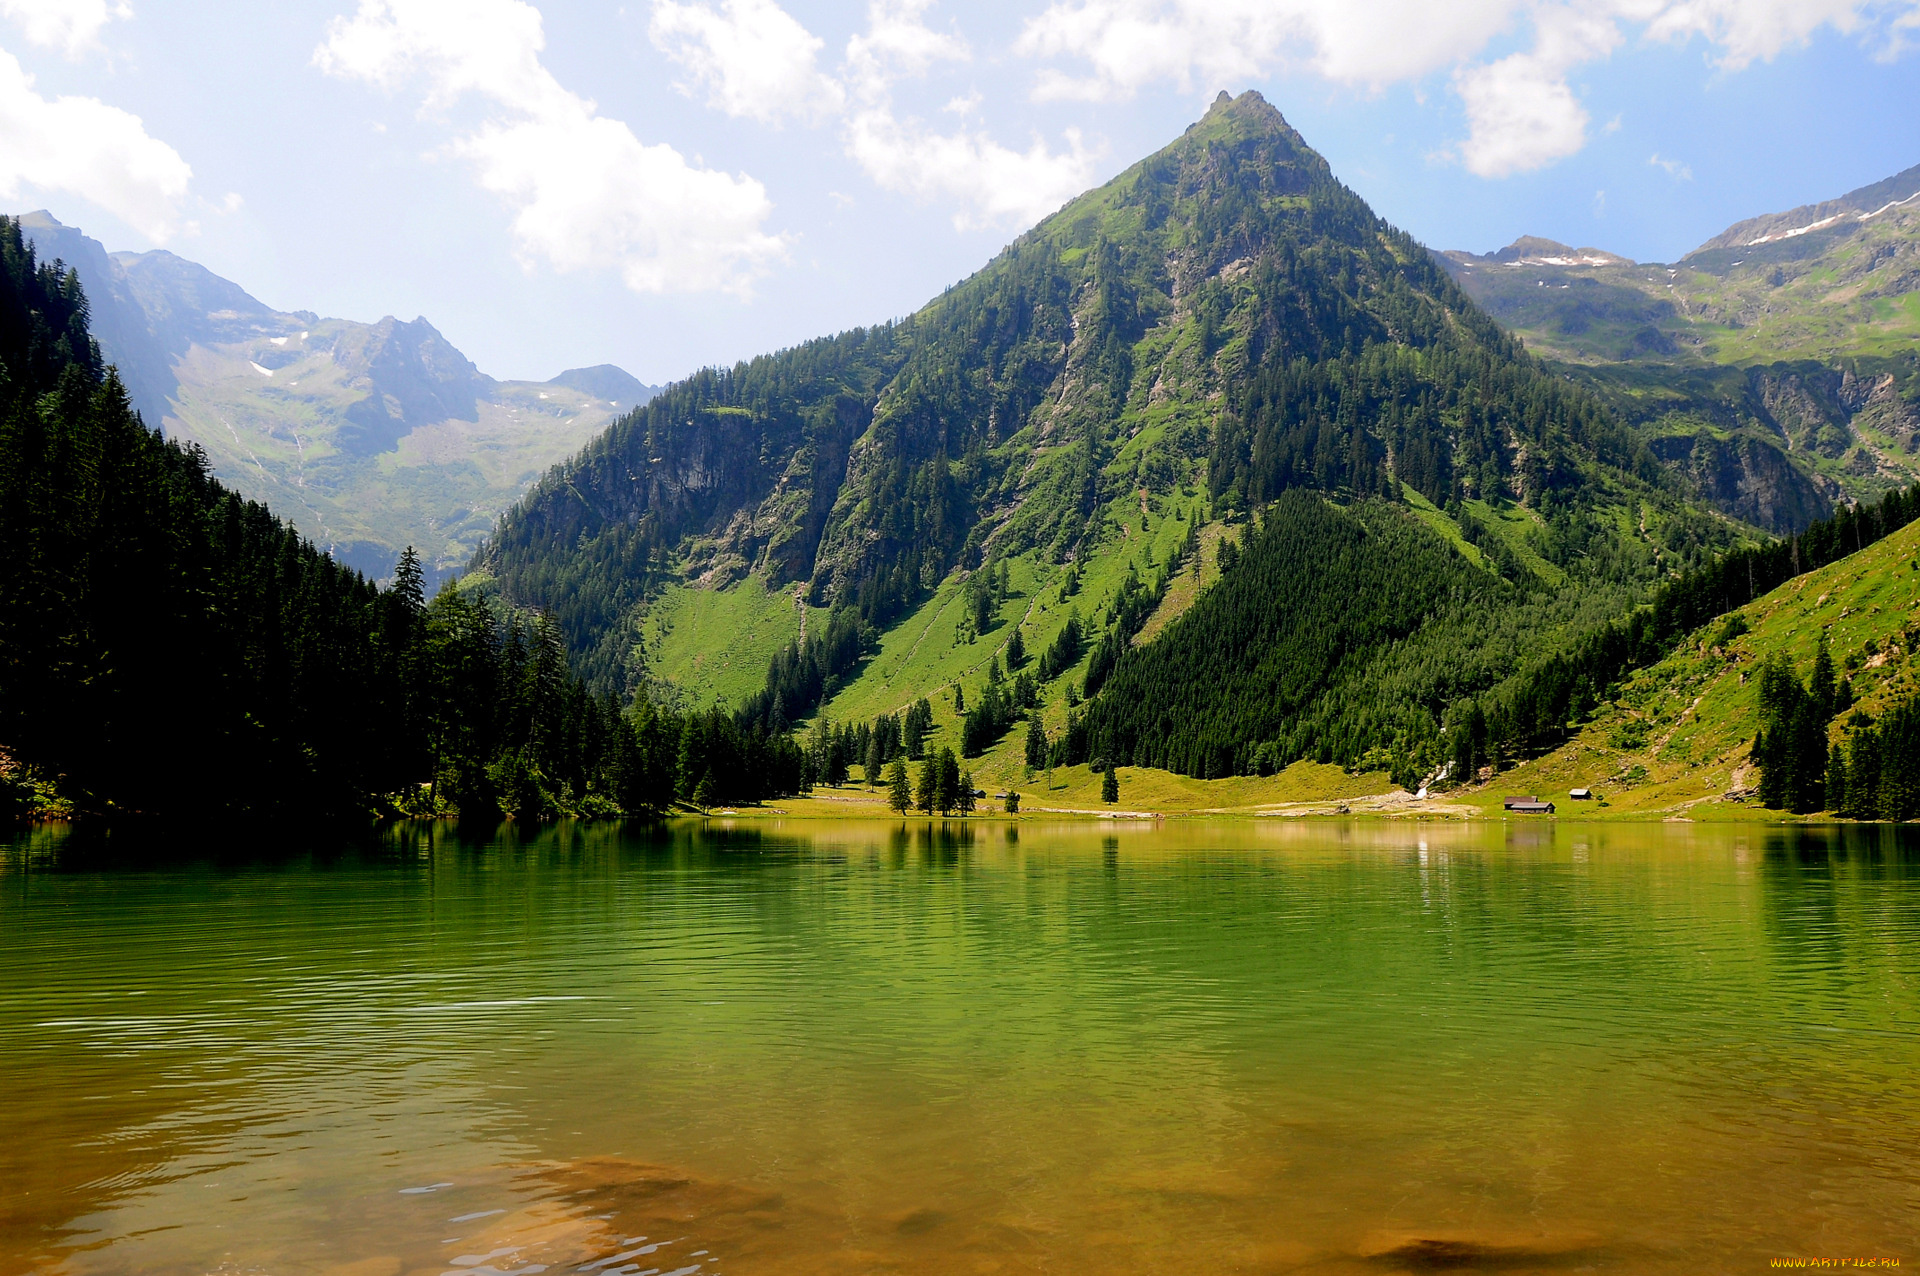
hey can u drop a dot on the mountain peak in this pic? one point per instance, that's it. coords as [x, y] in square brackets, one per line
[1243, 116]
[1533, 250]
[605, 381]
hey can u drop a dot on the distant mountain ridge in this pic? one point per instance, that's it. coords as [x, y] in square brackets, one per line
[1780, 359]
[1854, 207]
[369, 437]
[1531, 250]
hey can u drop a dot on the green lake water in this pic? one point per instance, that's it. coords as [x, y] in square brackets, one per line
[800, 1047]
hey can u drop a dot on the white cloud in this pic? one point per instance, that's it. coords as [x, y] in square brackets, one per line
[1521, 113]
[587, 193]
[1521, 110]
[73, 25]
[754, 60]
[1204, 44]
[1679, 171]
[1520, 116]
[898, 42]
[84, 147]
[1746, 31]
[994, 185]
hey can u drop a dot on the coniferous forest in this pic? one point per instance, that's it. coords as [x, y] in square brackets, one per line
[169, 649]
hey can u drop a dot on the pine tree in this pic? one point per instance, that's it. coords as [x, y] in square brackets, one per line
[1016, 650]
[919, 722]
[409, 582]
[946, 782]
[705, 792]
[1791, 749]
[963, 796]
[876, 758]
[927, 792]
[1863, 773]
[820, 748]
[1821, 687]
[899, 788]
[1036, 744]
[1110, 785]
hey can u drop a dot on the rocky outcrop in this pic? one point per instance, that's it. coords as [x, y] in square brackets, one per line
[1746, 478]
[1879, 407]
[1805, 406]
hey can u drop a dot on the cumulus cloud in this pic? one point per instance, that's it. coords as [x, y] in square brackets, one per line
[72, 25]
[586, 192]
[1128, 44]
[1748, 31]
[993, 184]
[1521, 113]
[752, 58]
[898, 42]
[1521, 110]
[84, 147]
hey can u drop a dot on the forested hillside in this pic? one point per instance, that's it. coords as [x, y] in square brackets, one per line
[1361, 637]
[167, 648]
[1785, 679]
[1220, 325]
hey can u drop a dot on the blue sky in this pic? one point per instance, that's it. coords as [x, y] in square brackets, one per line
[667, 183]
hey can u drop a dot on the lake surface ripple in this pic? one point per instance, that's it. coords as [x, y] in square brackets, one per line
[809, 1047]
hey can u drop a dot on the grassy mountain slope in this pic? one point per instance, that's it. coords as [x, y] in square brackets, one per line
[1791, 335]
[1220, 324]
[682, 639]
[369, 437]
[1677, 736]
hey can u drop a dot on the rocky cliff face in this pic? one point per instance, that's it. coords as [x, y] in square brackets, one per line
[1746, 478]
[1804, 407]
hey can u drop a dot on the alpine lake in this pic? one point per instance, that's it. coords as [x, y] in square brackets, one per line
[766, 1045]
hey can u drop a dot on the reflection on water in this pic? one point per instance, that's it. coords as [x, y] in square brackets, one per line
[805, 1047]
